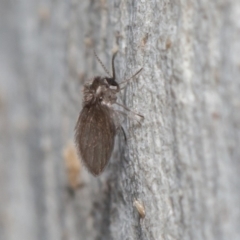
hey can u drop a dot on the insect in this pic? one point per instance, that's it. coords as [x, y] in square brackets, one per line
[97, 124]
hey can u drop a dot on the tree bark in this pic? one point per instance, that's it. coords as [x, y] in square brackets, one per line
[182, 164]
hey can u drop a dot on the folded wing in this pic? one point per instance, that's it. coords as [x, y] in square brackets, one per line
[95, 133]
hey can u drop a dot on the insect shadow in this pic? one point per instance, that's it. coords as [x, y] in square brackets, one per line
[98, 122]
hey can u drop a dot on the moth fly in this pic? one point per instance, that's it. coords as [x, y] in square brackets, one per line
[97, 124]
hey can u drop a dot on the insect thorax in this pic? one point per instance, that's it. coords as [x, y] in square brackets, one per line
[100, 91]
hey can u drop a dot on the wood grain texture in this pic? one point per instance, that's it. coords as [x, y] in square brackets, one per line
[183, 163]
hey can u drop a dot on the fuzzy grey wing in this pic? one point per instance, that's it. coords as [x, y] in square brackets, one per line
[95, 133]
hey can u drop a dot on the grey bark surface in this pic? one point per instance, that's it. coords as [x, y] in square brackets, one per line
[182, 163]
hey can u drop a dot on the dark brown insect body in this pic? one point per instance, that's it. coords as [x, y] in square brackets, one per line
[97, 126]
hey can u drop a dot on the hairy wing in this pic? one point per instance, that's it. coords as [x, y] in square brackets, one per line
[95, 133]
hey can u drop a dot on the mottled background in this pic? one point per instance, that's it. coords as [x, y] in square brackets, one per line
[183, 163]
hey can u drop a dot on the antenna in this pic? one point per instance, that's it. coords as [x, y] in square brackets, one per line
[134, 75]
[103, 64]
[113, 68]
